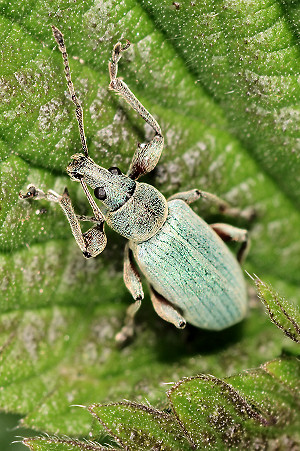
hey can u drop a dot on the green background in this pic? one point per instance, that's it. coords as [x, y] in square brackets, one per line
[221, 78]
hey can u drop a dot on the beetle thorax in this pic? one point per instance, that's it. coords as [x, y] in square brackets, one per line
[141, 216]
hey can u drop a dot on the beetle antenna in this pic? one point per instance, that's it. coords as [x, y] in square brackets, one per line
[59, 38]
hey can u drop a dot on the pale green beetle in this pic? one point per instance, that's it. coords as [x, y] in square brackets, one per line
[192, 275]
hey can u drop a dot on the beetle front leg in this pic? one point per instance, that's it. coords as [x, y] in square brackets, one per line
[133, 283]
[166, 310]
[147, 155]
[223, 206]
[230, 233]
[93, 241]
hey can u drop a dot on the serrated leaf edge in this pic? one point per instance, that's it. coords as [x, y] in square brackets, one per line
[84, 445]
[249, 409]
[276, 298]
[138, 406]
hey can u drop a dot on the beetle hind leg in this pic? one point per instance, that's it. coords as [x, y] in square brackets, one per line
[127, 330]
[166, 310]
[230, 233]
[133, 283]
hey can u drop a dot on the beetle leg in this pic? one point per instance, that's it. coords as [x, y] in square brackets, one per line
[131, 275]
[147, 155]
[166, 310]
[93, 241]
[229, 233]
[223, 206]
[127, 330]
[133, 283]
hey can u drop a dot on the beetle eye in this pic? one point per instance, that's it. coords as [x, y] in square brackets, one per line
[114, 170]
[100, 193]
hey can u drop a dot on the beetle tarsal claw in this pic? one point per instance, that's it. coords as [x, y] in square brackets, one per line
[181, 325]
[66, 192]
[126, 46]
[31, 192]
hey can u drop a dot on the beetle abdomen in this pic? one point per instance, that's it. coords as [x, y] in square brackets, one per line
[189, 264]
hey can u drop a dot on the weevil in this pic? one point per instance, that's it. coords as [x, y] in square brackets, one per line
[192, 275]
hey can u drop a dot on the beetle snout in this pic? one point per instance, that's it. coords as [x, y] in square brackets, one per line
[75, 168]
[74, 172]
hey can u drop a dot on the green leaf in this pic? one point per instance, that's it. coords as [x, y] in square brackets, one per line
[242, 411]
[56, 444]
[259, 407]
[220, 78]
[246, 55]
[281, 312]
[136, 426]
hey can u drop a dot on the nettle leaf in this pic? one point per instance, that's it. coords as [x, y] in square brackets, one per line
[57, 444]
[136, 426]
[282, 313]
[246, 410]
[259, 407]
[221, 79]
[240, 411]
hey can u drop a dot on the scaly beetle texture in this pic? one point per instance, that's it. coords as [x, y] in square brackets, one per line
[192, 275]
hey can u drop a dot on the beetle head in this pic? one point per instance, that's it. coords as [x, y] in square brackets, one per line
[110, 186]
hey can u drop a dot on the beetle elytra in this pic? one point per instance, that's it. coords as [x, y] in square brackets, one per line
[192, 275]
